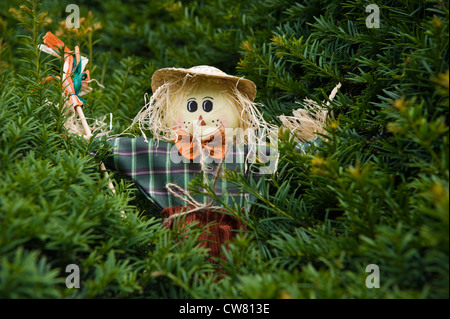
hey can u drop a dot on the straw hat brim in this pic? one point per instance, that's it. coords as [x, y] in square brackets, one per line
[244, 85]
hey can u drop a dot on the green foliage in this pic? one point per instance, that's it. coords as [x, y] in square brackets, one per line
[375, 192]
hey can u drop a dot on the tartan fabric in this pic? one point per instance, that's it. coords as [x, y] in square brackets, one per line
[152, 166]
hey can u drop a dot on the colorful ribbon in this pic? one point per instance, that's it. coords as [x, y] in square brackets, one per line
[191, 148]
[73, 77]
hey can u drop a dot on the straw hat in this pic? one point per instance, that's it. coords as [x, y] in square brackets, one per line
[243, 85]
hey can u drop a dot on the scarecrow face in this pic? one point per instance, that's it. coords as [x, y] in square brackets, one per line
[206, 110]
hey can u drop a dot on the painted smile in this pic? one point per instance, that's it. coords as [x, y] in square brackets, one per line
[218, 124]
[202, 127]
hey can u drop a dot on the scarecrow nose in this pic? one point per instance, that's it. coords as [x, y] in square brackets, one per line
[201, 121]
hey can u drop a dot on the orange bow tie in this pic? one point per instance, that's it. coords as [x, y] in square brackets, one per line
[191, 148]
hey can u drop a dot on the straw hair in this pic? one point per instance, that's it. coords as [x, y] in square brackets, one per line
[157, 113]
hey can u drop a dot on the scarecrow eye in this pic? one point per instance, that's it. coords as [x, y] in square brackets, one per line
[207, 106]
[192, 106]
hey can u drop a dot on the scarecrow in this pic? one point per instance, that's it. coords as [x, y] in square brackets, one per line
[201, 122]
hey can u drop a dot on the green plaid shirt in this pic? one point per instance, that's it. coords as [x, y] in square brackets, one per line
[152, 166]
